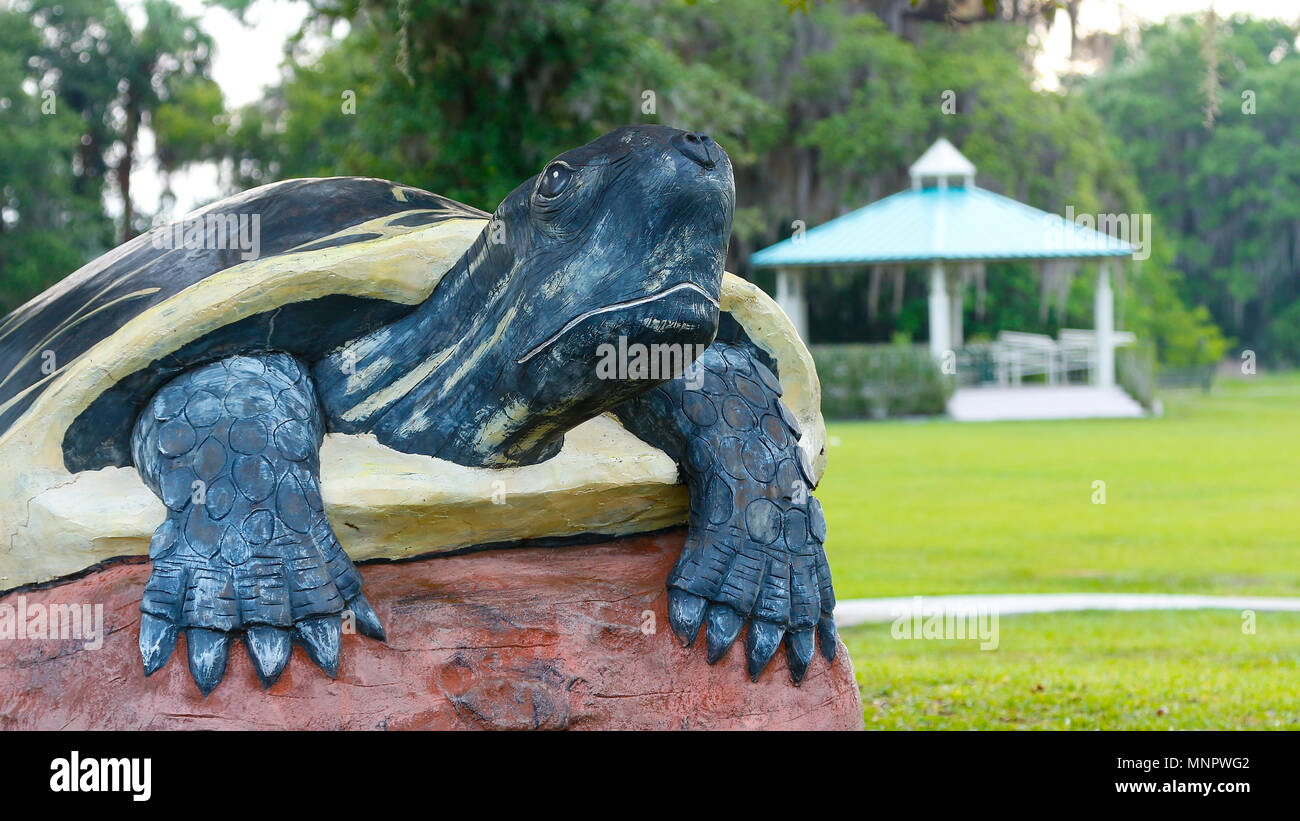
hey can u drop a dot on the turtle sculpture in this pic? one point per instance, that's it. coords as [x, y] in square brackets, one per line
[216, 367]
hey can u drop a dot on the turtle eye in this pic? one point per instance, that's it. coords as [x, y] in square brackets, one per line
[554, 179]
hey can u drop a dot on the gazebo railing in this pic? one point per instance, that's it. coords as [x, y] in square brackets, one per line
[1016, 357]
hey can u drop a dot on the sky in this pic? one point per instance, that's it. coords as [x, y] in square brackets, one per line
[248, 58]
[1115, 15]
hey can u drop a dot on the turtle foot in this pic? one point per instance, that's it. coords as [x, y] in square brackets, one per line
[246, 550]
[754, 552]
[208, 636]
[726, 580]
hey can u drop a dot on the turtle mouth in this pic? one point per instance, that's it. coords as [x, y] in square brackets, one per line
[617, 306]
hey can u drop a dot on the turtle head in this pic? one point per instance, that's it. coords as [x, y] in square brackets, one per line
[618, 244]
[594, 281]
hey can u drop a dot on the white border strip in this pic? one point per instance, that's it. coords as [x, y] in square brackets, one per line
[866, 611]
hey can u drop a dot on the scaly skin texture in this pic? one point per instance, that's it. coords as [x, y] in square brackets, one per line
[754, 549]
[232, 450]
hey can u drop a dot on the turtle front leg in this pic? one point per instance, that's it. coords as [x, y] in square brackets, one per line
[232, 449]
[753, 550]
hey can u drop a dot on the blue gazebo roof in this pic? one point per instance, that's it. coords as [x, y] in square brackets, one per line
[944, 223]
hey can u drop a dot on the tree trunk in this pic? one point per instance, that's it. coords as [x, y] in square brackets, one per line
[129, 137]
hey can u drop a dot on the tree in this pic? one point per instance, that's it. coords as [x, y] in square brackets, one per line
[1226, 194]
[116, 78]
[468, 98]
[49, 222]
[821, 111]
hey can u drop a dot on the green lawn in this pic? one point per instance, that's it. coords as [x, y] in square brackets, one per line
[1203, 500]
[1088, 671]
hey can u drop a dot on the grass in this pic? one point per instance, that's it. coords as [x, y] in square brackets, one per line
[1203, 500]
[1159, 670]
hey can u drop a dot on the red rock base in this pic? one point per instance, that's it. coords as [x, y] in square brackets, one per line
[536, 638]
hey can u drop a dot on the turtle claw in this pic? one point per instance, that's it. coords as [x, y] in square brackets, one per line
[368, 623]
[799, 649]
[157, 642]
[208, 651]
[320, 638]
[269, 648]
[723, 626]
[827, 638]
[761, 642]
[685, 612]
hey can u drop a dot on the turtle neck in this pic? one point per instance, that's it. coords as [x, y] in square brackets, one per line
[443, 380]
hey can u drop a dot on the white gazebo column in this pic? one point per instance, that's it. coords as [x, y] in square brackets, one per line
[940, 312]
[1103, 312]
[789, 295]
[956, 296]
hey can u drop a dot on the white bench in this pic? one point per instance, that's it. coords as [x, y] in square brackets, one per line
[1078, 348]
[1088, 338]
[1017, 354]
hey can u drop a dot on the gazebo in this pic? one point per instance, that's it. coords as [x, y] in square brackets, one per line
[953, 227]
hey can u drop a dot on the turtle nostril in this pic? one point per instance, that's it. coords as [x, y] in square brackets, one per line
[697, 147]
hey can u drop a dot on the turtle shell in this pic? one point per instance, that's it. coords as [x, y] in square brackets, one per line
[55, 522]
[328, 260]
[337, 257]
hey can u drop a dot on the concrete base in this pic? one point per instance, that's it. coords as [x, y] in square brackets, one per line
[532, 638]
[993, 404]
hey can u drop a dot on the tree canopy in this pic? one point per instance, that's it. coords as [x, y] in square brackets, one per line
[1226, 191]
[821, 106]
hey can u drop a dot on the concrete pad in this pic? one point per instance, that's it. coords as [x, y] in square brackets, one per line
[994, 404]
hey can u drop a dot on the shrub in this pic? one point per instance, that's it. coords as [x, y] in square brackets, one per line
[876, 381]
